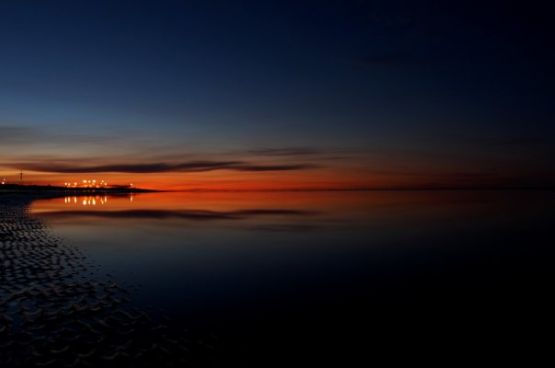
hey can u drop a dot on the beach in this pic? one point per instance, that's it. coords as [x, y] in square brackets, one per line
[56, 312]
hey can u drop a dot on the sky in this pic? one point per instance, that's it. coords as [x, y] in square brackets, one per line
[278, 94]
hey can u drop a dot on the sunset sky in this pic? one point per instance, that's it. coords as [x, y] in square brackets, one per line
[277, 94]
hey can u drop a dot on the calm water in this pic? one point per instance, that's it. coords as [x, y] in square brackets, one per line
[325, 275]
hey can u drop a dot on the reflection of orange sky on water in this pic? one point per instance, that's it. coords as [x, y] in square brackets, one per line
[231, 201]
[307, 213]
[213, 201]
[366, 204]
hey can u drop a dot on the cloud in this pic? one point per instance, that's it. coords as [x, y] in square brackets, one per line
[328, 154]
[14, 134]
[194, 215]
[250, 167]
[291, 151]
[190, 166]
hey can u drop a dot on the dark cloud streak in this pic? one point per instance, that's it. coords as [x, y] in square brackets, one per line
[14, 134]
[293, 151]
[195, 215]
[190, 166]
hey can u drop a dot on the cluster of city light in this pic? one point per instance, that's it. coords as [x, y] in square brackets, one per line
[3, 181]
[87, 183]
[86, 201]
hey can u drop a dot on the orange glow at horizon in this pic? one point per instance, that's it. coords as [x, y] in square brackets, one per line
[332, 178]
[214, 180]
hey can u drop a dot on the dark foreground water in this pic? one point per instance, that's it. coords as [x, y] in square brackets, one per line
[302, 279]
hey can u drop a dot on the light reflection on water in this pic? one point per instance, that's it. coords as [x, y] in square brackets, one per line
[86, 201]
[202, 255]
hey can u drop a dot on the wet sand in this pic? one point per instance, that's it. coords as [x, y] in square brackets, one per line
[56, 312]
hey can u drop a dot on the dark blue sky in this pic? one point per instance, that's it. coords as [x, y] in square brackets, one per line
[427, 84]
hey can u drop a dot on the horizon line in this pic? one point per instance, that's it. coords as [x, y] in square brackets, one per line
[309, 189]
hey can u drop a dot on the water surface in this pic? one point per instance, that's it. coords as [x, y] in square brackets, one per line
[278, 275]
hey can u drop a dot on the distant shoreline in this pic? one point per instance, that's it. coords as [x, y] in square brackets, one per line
[58, 191]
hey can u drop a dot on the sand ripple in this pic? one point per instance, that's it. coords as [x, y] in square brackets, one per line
[53, 313]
